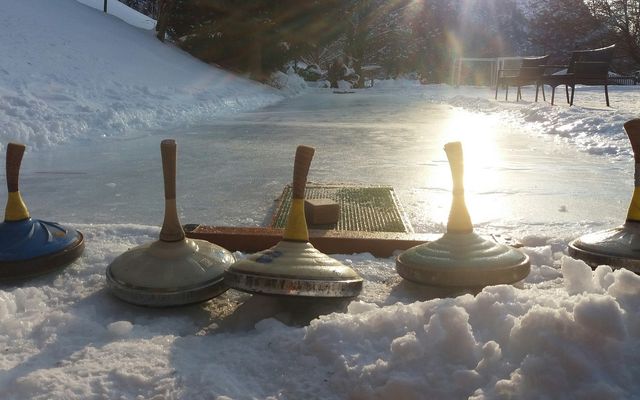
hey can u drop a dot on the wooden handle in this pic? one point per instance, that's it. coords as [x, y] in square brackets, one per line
[168, 151]
[633, 131]
[632, 128]
[14, 159]
[459, 219]
[456, 163]
[171, 228]
[304, 154]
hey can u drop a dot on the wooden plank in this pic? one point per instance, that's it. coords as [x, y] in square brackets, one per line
[254, 239]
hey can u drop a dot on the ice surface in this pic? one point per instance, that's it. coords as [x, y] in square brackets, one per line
[92, 97]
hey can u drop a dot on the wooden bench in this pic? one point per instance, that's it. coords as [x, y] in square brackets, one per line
[529, 73]
[370, 73]
[586, 67]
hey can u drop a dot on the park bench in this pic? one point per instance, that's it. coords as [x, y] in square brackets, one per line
[530, 73]
[586, 67]
[371, 72]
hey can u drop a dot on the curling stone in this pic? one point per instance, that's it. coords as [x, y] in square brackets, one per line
[173, 270]
[293, 267]
[620, 246]
[461, 258]
[28, 246]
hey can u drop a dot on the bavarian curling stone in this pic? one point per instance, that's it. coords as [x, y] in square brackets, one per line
[461, 258]
[620, 246]
[29, 246]
[293, 267]
[173, 270]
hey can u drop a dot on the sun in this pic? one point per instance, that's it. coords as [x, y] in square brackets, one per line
[483, 161]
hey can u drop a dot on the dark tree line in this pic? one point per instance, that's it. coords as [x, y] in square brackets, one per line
[260, 36]
[146, 7]
[257, 37]
[622, 18]
[558, 27]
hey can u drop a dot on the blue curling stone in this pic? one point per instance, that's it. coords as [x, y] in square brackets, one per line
[32, 247]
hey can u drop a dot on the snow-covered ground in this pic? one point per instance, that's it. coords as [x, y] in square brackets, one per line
[70, 72]
[93, 96]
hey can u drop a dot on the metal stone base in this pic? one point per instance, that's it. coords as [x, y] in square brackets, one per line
[287, 286]
[22, 269]
[595, 259]
[463, 277]
[170, 297]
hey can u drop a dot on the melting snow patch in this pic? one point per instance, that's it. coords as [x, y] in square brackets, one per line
[120, 328]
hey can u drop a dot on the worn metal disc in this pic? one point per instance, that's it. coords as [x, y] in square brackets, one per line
[32, 247]
[163, 274]
[618, 247]
[293, 268]
[463, 260]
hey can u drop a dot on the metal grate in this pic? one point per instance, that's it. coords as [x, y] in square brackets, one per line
[367, 209]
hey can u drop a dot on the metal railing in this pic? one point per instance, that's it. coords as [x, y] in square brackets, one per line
[622, 80]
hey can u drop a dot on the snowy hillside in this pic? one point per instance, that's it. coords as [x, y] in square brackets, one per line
[69, 71]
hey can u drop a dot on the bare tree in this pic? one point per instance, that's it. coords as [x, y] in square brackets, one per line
[558, 27]
[622, 17]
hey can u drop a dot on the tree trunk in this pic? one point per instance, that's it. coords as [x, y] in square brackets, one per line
[165, 8]
[255, 60]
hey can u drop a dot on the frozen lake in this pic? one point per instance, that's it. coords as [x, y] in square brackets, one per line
[230, 172]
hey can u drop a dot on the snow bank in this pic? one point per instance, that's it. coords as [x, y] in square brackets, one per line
[290, 82]
[502, 343]
[70, 72]
[120, 10]
[588, 125]
[65, 336]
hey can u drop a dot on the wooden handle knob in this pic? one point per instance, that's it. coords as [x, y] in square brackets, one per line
[168, 151]
[304, 154]
[633, 132]
[15, 152]
[171, 228]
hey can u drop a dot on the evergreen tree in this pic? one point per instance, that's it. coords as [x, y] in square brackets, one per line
[256, 37]
[434, 25]
[260, 36]
[384, 35]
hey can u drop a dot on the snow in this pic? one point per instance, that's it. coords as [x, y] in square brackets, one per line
[119, 10]
[594, 129]
[92, 97]
[70, 80]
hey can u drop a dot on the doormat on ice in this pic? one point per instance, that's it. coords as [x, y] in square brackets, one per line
[362, 208]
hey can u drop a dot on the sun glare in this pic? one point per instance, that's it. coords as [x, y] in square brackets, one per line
[483, 180]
